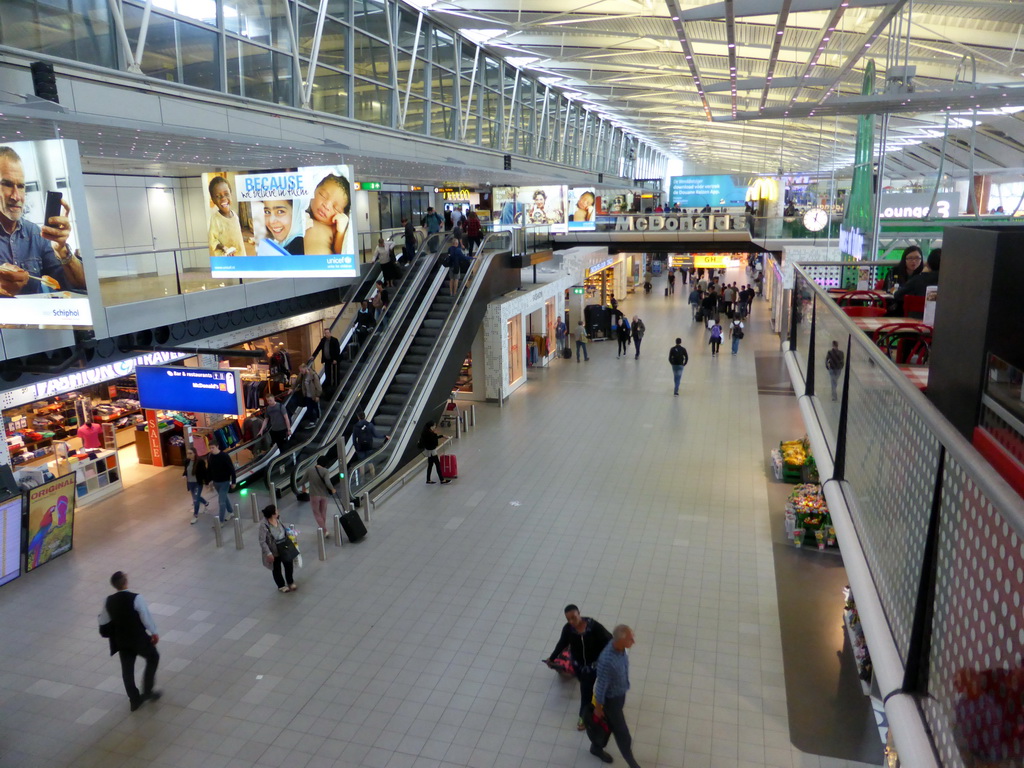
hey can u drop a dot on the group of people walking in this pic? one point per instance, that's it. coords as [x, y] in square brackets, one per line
[599, 660]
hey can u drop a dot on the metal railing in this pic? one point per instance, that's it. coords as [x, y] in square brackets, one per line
[159, 272]
[384, 460]
[942, 536]
[361, 372]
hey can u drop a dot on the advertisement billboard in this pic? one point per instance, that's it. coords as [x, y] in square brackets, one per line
[51, 520]
[531, 206]
[199, 390]
[715, 191]
[582, 208]
[10, 540]
[286, 224]
[41, 265]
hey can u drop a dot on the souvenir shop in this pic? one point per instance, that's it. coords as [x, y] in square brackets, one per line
[93, 423]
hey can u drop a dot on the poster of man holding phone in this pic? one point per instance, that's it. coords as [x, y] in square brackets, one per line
[33, 258]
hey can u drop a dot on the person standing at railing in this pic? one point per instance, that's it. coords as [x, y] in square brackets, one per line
[458, 265]
[409, 247]
[311, 390]
[364, 322]
[432, 221]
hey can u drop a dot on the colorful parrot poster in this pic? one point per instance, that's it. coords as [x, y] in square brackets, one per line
[51, 520]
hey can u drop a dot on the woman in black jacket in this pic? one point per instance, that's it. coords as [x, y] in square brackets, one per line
[429, 440]
[195, 478]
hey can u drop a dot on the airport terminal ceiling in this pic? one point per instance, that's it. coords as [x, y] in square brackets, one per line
[712, 82]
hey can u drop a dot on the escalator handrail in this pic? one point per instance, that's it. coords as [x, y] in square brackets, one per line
[444, 341]
[393, 363]
[421, 267]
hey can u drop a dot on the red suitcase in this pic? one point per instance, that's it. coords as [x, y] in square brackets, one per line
[449, 466]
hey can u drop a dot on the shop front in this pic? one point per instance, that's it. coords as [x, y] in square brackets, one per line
[93, 422]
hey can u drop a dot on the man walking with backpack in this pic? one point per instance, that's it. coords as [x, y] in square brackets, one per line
[678, 359]
[363, 435]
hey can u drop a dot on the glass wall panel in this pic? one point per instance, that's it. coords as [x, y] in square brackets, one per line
[258, 73]
[442, 86]
[200, 10]
[371, 57]
[407, 30]
[444, 49]
[369, 16]
[333, 41]
[491, 105]
[418, 84]
[490, 135]
[472, 127]
[442, 121]
[372, 103]
[416, 115]
[468, 51]
[175, 51]
[337, 8]
[79, 30]
[492, 74]
[262, 21]
[330, 91]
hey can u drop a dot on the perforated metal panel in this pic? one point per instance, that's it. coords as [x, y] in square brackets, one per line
[979, 617]
[892, 458]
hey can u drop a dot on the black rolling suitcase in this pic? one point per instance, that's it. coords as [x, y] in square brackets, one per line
[567, 353]
[351, 523]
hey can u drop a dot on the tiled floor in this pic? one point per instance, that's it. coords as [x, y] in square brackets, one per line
[421, 646]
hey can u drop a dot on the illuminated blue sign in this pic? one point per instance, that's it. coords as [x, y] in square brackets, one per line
[200, 390]
[716, 191]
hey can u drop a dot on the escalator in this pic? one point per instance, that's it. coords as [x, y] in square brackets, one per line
[252, 458]
[416, 377]
[361, 373]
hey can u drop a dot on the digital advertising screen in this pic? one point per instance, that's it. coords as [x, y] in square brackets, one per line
[201, 390]
[10, 540]
[582, 208]
[51, 520]
[716, 191]
[44, 274]
[286, 224]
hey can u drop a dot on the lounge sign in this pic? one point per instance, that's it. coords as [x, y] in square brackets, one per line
[706, 223]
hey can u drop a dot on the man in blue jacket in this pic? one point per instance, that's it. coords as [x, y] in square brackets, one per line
[610, 693]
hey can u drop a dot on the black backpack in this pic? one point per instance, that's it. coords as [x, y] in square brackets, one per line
[675, 356]
[362, 436]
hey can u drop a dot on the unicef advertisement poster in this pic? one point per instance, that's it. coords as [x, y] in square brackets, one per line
[582, 208]
[51, 520]
[717, 191]
[41, 265]
[287, 224]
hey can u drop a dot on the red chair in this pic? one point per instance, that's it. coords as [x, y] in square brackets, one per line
[864, 311]
[913, 306]
[905, 343]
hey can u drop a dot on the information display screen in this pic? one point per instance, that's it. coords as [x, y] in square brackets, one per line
[717, 191]
[288, 224]
[10, 539]
[51, 521]
[46, 277]
[201, 390]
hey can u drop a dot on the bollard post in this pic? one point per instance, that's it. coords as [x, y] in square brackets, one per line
[472, 414]
[255, 507]
[239, 543]
[218, 535]
[458, 426]
[366, 507]
[236, 510]
[338, 541]
[321, 544]
[273, 493]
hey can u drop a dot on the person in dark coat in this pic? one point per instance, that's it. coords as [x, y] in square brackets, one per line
[330, 356]
[126, 621]
[430, 439]
[623, 336]
[585, 638]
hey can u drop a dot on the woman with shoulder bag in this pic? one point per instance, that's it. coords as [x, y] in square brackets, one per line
[278, 550]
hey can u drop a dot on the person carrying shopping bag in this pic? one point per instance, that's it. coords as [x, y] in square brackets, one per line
[279, 551]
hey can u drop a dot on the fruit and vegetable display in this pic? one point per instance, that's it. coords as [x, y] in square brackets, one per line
[807, 516]
[795, 452]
